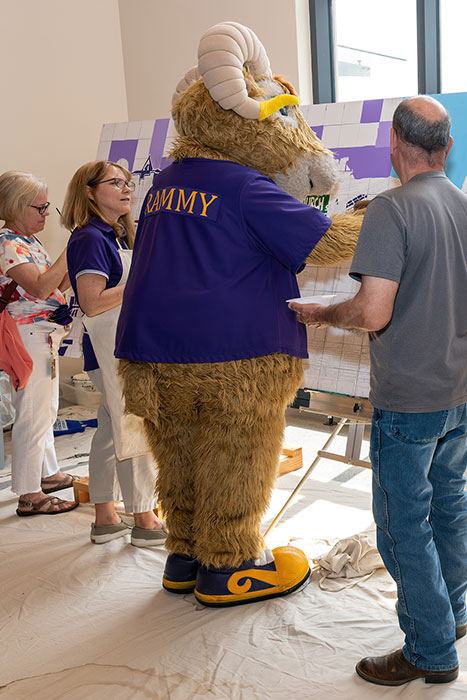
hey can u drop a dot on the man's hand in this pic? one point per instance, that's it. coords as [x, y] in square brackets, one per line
[307, 313]
[369, 310]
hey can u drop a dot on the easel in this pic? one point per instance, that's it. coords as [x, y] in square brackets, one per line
[356, 413]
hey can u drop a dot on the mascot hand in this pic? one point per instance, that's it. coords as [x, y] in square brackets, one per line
[339, 242]
[360, 206]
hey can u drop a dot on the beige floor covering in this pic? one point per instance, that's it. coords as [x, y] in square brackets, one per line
[86, 622]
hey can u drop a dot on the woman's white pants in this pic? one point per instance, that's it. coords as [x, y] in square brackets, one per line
[32, 440]
[111, 479]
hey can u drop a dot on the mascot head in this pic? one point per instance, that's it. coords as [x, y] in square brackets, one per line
[230, 107]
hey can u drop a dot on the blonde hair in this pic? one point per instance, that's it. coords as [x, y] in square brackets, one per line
[78, 209]
[18, 191]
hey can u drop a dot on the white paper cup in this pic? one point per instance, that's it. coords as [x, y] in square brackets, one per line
[324, 300]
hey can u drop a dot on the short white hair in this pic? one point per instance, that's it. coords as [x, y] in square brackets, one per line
[18, 191]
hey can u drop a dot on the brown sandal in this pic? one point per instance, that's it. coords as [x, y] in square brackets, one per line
[50, 501]
[65, 483]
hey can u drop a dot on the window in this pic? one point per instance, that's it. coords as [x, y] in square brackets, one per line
[376, 48]
[453, 19]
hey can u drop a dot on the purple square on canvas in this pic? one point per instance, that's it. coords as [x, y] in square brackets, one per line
[156, 148]
[371, 111]
[318, 130]
[383, 137]
[123, 149]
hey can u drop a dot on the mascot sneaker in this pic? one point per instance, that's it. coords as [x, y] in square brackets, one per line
[180, 573]
[277, 573]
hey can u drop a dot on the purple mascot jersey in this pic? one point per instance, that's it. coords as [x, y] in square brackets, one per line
[217, 249]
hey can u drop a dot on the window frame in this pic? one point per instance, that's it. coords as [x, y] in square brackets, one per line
[323, 58]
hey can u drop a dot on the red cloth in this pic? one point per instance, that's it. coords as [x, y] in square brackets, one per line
[14, 358]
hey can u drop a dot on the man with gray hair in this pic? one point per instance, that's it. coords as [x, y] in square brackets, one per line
[411, 260]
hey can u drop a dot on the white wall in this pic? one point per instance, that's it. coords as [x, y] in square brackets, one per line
[160, 41]
[70, 66]
[62, 78]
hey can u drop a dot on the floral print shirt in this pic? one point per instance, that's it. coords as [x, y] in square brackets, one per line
[14, 250]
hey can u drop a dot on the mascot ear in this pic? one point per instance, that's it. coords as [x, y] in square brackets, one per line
[283, 81]
[190, 77]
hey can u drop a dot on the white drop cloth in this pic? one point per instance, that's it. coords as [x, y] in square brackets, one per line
[91, 622]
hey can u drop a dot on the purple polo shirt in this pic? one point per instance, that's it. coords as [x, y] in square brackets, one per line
[93, 248]
[216, 253]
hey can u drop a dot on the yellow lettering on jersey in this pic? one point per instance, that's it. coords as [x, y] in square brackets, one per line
[166, 199]
[205, 206]
[155, 204]
[148, 203]
[185, 203]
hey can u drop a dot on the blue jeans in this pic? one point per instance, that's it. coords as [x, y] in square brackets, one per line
[419, 463]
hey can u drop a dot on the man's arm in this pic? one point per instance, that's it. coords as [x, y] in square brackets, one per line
[369, 310]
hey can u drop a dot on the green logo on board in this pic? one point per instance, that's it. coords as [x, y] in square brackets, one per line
[320, 201]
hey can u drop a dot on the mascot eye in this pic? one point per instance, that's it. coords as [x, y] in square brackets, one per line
[283, 111]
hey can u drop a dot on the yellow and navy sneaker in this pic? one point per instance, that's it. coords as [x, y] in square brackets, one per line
[277, 573]
[180, 573]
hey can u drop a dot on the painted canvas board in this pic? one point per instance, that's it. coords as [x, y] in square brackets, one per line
[358, 135]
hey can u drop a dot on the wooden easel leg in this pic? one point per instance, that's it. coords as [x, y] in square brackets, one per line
[354, 441]
[298, 487]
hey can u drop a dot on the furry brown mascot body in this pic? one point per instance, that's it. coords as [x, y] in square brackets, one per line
[216, 427]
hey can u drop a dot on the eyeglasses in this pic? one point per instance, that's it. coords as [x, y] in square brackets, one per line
[42, 209]
[119, 182]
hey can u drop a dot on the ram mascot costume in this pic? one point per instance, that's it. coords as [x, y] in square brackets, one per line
[210, 354]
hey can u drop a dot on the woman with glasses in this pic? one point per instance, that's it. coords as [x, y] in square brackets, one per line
[97, 209]
[36, 300]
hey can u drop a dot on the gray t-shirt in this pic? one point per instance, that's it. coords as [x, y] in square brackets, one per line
[416, 235]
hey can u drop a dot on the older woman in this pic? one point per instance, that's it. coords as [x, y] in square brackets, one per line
[98, 207]
[35, 470]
